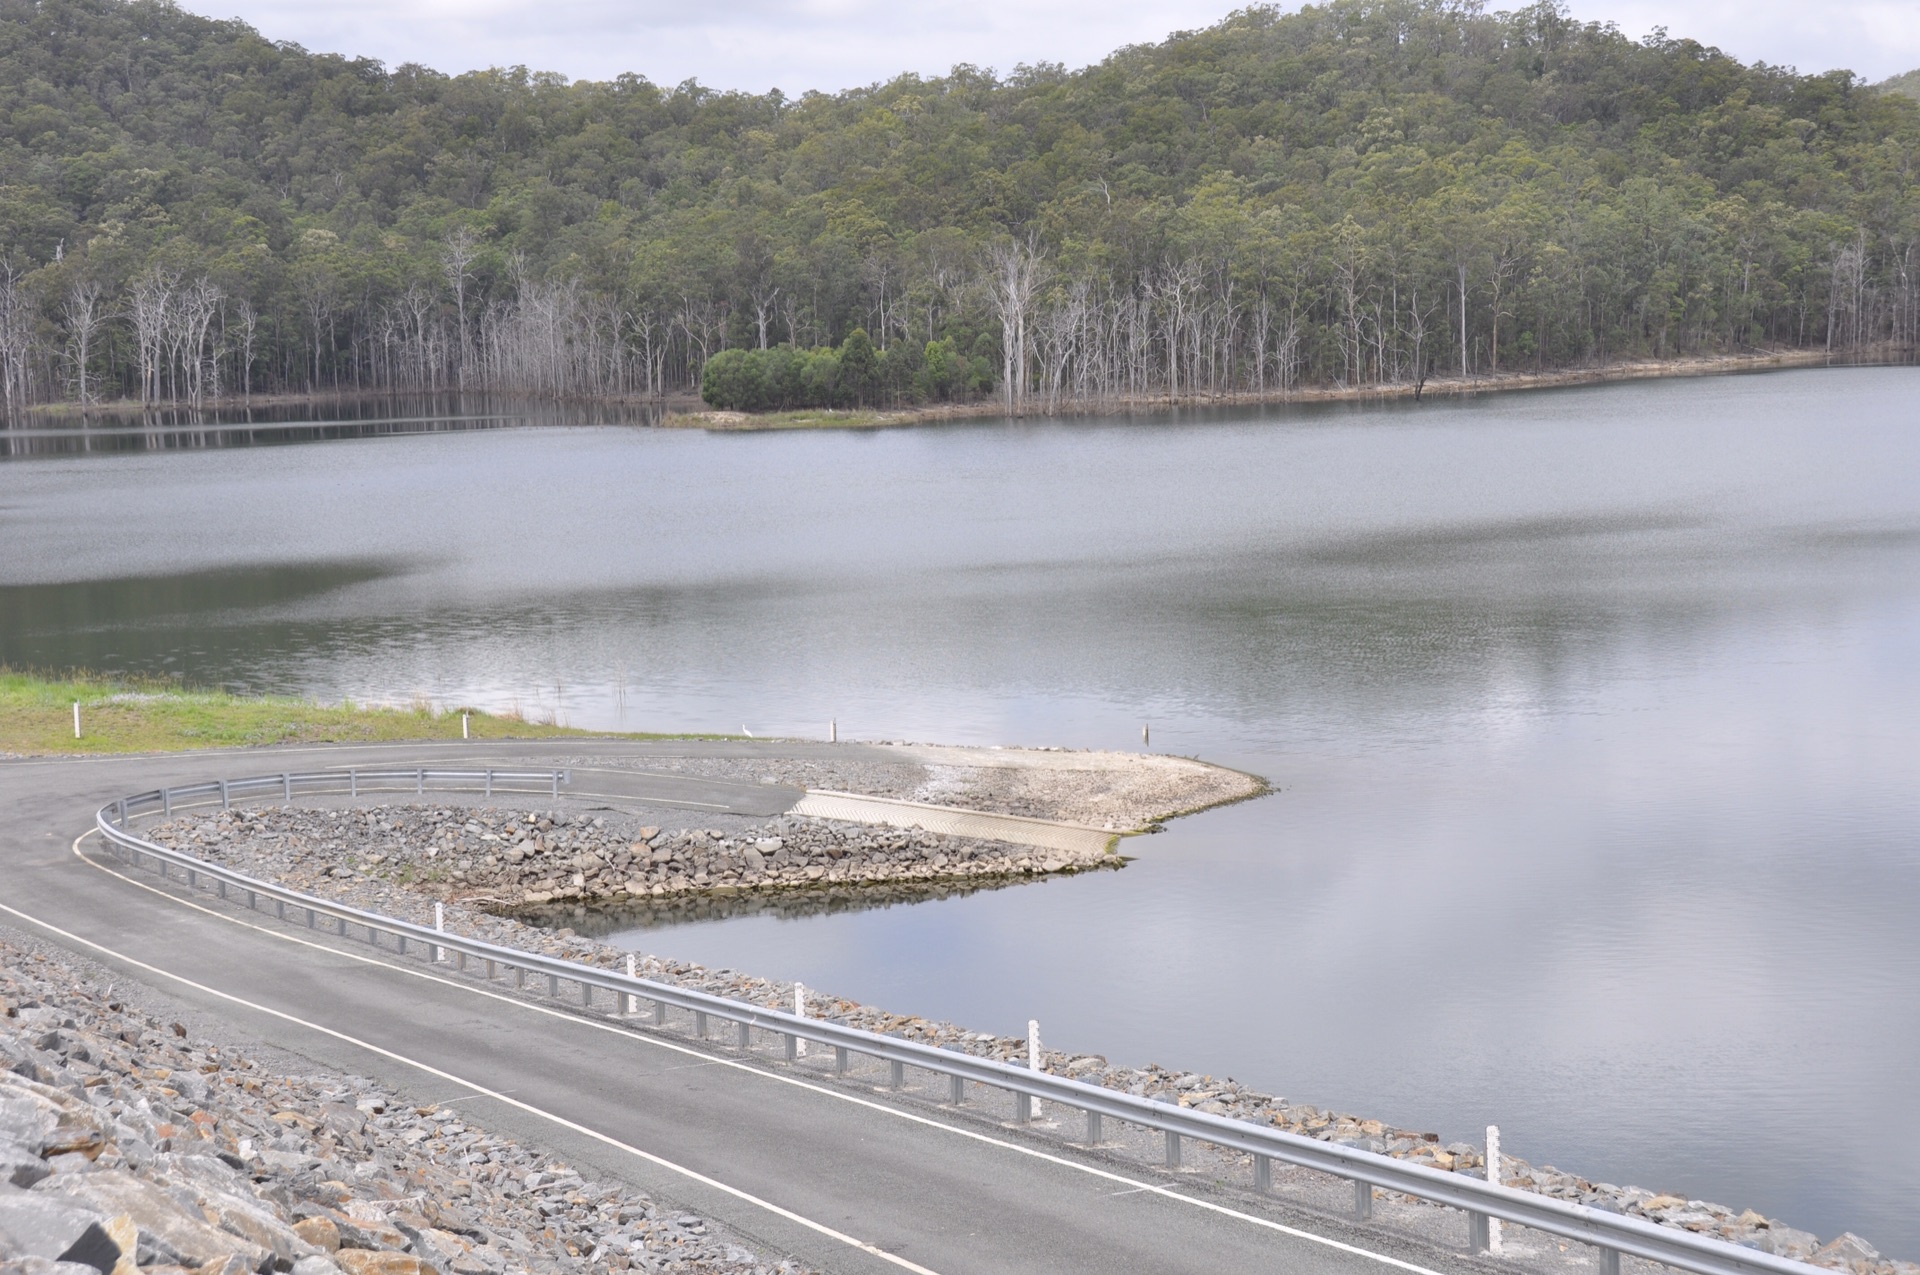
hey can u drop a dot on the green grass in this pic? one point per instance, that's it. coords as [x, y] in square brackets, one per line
[131, 716]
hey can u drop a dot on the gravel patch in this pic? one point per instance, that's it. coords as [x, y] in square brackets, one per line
[508, 859]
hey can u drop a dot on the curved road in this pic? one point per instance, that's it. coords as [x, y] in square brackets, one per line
[841, 1176]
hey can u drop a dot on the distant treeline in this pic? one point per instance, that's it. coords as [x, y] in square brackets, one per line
[1363, 192]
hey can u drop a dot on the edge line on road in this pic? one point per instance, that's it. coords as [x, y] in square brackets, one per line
[483, 1091]
[1137, 1186]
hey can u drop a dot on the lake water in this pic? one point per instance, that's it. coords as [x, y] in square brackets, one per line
[1593, 718]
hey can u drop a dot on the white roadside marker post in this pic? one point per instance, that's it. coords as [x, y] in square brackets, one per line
[439, 924]
[1145, 732]
[630, 1004]
[1033, 1058]
[76, 719]
[1493, 1176]
[833, 730]
[463, 727]
[799, 1011]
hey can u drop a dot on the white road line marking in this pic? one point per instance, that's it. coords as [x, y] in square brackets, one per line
[1137, 1187]
[498, 1095]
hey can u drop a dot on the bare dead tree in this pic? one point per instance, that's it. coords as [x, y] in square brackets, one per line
[80, 311]
[1016, 271]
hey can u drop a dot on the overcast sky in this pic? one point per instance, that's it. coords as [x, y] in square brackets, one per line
[797, 45]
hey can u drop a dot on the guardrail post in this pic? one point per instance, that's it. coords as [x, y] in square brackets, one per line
[1493, 1176]
[840, 1059]
[123, 814]
[1263, 1174]
[226, 801]
[420, 782]
[899, 1077]
[956, 1089]
[166, 802]
[489, 784]
[193, 879]
[1022, 1108]
[400, 941]
[553, 984]
[1609, 1261]
[1477, 1232]
[1173, 1149]
[700, 1024]
[586, 995]
[340, 926]
[519, 979]
[1362, 1200]
[313, 919]
[1093, 1128]
[353, 782]
[659, 1013]
[556, 785]
[1033, 1059]
[280, 909]
[253, 899]
[286, 787]
[791, 1044]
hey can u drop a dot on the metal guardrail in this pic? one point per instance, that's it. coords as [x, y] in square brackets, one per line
[1614, 1235]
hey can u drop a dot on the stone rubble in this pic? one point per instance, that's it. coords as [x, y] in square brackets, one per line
[283, 844]
[127, 1146]
[529, 858]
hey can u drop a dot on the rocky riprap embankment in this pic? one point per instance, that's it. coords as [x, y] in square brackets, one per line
[253, 841]
[514, 858]
[125, 1145]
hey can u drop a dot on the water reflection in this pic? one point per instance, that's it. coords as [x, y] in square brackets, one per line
[119, 428]
[1592, 719]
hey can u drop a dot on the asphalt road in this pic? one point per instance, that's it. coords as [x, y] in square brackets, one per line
[842, 1177]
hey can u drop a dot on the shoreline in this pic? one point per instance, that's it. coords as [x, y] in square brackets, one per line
[1219, 1095]
[683, 409]
[1205, 1092]
[719, 421]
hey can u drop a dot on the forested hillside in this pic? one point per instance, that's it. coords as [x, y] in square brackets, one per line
[1366, 191]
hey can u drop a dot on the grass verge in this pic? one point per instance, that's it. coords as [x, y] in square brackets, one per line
[121, 716]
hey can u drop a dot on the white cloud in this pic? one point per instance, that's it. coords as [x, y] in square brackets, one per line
[831, 44]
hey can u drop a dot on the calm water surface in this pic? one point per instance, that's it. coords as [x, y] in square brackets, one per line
[1593, 715]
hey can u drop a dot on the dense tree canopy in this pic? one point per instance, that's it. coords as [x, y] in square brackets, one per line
[1360, 192]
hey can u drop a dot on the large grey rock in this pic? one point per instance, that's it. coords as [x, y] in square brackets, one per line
[47, 1121]
[43, 1266]
[167, 1231]
[20, 1166]
[316, 1266]
[36, 1225]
